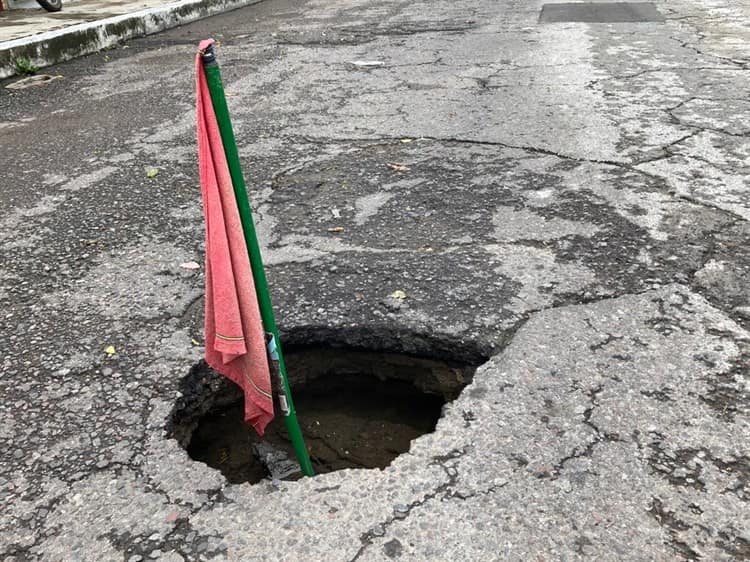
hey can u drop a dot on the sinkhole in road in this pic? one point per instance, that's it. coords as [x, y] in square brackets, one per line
[356, 408]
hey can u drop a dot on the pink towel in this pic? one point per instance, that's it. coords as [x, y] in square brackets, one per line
[235, 344]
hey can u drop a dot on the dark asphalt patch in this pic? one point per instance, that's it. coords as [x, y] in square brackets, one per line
[600, 12]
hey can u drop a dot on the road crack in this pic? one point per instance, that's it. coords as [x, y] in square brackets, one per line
[443, 492]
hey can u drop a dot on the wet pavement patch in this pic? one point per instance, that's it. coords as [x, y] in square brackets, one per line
[600, 12]
[357, 409]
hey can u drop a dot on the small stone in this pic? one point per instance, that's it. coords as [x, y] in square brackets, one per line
[393, 304]
[393, 548]
[378, 531]
[155, 553]
[400, 511]
[135, 558]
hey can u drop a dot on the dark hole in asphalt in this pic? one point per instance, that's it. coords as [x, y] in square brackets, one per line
[357, 409]
[600, 12]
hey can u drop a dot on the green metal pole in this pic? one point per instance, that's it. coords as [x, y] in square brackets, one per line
[219, 102]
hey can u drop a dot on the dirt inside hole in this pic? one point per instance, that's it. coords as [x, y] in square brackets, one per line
[356, 409]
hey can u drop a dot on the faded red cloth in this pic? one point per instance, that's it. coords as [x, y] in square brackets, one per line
[235, 343]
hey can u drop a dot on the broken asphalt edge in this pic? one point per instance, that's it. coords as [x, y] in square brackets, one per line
[52, 47]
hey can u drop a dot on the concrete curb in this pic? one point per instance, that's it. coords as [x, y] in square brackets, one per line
[52, 47]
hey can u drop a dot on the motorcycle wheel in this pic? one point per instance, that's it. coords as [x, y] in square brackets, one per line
[51, 5]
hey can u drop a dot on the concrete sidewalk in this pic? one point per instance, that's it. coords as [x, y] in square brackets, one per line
[87, 26]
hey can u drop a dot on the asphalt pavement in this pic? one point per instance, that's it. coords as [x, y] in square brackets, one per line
[565, 202]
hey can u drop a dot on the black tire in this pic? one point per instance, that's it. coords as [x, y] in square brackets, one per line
[51, 5]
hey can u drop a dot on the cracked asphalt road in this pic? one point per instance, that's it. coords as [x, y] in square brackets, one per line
[571, 200]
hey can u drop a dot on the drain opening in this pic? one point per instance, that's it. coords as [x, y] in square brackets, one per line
[357, 409]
